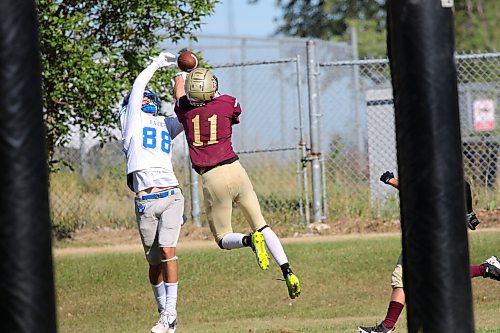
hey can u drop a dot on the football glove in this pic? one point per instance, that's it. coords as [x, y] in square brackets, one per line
[183, 74]
[165, 59]
[386, 176]
[472, 221]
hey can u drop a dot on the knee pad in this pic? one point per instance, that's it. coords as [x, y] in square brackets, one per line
[174, 258]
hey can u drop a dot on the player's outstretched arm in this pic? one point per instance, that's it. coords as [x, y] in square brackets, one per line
[164, 59]
[472, 220]
[179, 81]
[388, 178]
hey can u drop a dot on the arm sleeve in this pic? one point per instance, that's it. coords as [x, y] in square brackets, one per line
[181, 104]
[133, 113]
[468, 197]
[120, 117]
[179, 80]
[122, 120]
[236, 112]
[174, 126]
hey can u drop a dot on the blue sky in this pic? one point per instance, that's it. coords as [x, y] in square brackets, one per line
[237, 17]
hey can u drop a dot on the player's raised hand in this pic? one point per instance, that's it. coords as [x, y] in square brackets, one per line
[386, 176]
[165, 59]
[183, 74]
[170, 56]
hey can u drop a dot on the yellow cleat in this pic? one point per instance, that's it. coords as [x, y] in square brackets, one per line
[293, 285]
[259, 248]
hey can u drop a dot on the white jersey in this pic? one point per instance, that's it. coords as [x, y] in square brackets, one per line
[147, 140]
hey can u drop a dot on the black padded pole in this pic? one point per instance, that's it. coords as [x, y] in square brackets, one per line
[27, 299]
[435, 247]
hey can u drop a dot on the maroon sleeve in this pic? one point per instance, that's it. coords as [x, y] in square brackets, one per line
[236, 112]
[181, 104]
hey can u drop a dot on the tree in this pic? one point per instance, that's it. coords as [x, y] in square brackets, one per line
[475, 23]
[92, 50]
[330, 20]
[372, 38]
[325, 19]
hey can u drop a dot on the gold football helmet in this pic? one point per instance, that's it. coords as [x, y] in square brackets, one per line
[200, 86]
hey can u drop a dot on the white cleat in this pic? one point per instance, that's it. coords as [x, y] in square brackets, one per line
[166, 324]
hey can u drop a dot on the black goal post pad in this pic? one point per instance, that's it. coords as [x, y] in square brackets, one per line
[26, 273]
[429, 153]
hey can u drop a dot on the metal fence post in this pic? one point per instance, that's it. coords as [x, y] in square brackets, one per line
[302, 167]
[194, 194]
[193, 188]
[195, 198]
[315, 154]
[353, 35]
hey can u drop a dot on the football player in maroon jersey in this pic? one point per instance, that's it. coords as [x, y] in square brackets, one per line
[488, 269]
[208, 120]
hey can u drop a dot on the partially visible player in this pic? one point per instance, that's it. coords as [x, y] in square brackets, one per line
[208, 118]
[472, 220]
[490, 268]
[159, 203]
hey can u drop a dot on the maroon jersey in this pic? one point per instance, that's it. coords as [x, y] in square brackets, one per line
[208, 129]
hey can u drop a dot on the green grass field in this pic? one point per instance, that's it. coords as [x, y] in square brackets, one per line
[345, 283]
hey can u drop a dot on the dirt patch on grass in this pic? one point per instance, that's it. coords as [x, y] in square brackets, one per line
[192, 236]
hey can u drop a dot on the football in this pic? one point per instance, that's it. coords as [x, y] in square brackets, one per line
[187, 61]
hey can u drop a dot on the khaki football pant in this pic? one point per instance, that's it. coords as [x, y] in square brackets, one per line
[397, 274]
[224, 185]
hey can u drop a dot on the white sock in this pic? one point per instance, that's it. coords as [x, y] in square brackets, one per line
[171, 297]
[233, 241]
[274, 245]
[160, 297]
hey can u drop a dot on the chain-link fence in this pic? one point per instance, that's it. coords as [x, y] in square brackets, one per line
[268, 140]
[359, 132]
[278, 97]
[93, 192]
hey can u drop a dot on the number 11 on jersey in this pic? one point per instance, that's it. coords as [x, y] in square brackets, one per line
[213, 130]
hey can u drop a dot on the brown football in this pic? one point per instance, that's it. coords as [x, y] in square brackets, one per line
[187, 61]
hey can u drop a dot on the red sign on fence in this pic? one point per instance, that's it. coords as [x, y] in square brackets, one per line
[484, 115]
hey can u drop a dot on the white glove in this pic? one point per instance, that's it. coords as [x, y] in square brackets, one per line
[165, 59]
[169, 56]
[183, 74]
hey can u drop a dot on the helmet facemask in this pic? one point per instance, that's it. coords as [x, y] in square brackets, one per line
[154, 104]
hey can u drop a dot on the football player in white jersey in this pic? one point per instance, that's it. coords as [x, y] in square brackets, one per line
[159, 203]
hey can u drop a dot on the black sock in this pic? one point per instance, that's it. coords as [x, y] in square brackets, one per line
[247, 240]
[285, 269]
